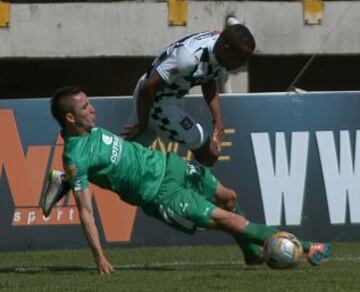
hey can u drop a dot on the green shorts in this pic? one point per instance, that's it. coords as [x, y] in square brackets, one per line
[185, 197]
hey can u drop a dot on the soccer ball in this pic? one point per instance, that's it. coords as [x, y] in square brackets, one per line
[282, 250]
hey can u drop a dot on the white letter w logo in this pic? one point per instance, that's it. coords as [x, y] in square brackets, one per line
[281, 183]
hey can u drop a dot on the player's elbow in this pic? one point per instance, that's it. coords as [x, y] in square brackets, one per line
[146, 94]
[207, 154]
[208, 159]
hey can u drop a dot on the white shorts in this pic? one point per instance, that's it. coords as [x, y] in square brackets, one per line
[170, 122]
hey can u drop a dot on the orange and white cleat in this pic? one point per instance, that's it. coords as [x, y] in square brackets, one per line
[318, 252]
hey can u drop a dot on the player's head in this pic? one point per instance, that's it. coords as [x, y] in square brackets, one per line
[234, 47]
[71, 108]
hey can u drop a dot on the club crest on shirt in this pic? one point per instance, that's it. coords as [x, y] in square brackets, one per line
[70, 172]
[187, 123]
[107, 139]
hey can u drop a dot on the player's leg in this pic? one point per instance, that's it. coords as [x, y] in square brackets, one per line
[207, 154]
[178, 205]
[202, 181]
[177, 202]
[185, 201]
[227, 199]
[232, 223]
[173, 123]
[149, 135]
[235, 224]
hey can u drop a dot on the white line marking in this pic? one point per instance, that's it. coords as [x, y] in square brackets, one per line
[180, 264]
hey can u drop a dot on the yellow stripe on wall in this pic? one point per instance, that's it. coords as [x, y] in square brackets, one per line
[4, 14]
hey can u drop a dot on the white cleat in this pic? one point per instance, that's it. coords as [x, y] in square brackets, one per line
[55, 190]
[231, 20]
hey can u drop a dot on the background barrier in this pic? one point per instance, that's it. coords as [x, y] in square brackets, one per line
[293, 158]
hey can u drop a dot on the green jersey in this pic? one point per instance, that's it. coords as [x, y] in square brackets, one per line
[108, 161]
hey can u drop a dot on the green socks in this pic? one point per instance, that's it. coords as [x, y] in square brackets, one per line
[254, 237]
[252, 252]
[258, 233]
[305, 245]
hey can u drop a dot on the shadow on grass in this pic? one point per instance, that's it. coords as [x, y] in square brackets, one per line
[142, 267]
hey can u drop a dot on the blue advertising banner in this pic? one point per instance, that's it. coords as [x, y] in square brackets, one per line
[293, 159]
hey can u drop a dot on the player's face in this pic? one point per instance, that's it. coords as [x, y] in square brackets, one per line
[84, 112]
[234, 58]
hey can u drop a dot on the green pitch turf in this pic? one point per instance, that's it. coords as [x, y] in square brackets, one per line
[200, 268]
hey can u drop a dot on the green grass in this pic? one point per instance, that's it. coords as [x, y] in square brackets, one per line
[201, 268]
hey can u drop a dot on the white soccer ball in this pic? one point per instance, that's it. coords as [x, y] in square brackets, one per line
[282, 250]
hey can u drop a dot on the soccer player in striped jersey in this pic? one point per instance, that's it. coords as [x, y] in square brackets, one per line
[199, 59]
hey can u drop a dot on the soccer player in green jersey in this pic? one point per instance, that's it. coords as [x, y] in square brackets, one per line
[165, 186]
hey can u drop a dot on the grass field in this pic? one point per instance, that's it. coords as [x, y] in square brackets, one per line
[200, 268]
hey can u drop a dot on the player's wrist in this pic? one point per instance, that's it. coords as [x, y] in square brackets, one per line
[217, 118]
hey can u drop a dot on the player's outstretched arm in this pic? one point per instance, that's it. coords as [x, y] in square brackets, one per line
[84, 205]
[211, 95]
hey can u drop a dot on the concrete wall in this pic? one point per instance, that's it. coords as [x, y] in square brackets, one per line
[141, 29]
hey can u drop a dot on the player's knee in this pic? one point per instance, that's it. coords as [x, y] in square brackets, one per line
[206, 154]
[226, 199]
[206, 160]
[231, 200]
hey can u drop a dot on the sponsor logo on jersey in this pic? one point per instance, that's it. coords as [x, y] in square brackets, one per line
[107, 139]
[116, 150]
[186, 123]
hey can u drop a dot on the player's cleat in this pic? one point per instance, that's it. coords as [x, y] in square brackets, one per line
[55, 190]
[254, 263]
[318, 252]
[231, 20]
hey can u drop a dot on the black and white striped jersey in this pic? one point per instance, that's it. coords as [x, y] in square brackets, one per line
[187, 63]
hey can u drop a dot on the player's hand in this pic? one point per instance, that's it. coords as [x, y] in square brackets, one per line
[104, 266]
[218, 135]
[131, 132]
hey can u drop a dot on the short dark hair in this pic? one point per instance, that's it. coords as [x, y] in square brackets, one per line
[238, 35]
[59, 105]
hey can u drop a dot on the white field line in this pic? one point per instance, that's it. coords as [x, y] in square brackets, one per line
[35, 269]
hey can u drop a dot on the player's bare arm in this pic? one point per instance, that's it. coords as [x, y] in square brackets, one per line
[151, 85]
[211, 95]
[84, 205]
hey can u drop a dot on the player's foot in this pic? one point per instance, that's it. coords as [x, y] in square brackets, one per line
[231, 20]
[318, 252]
[254, 264]
[254, 261]
[55, 190]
